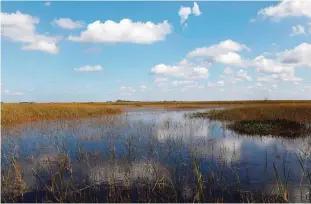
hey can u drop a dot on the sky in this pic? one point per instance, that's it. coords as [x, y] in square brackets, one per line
[155, 51]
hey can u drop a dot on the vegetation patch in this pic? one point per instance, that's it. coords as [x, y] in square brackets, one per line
[276, 120]
[284, 128]
[18, 113]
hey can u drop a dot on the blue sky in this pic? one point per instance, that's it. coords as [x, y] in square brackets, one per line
[99, 51]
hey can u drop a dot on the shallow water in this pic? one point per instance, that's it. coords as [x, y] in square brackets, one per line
[150, 144]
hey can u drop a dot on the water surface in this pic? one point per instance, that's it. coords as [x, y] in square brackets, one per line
[151, 144]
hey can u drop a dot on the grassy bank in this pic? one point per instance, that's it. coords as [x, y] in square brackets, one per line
[279, 120]
[12, 113]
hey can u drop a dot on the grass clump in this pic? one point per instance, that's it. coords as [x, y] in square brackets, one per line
[276, 127]
[13, 113]
[277, 120]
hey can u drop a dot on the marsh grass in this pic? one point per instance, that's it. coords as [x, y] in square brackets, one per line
[283, 128]
[18, 113]
[276, 120]
[293, 112]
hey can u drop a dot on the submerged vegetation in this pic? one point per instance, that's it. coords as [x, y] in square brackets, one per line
[277, 120]
[17, 113]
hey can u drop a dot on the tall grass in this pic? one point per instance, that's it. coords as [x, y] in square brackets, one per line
[291, 112]
[16, 113]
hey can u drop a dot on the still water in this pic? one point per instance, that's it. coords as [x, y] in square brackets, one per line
[153, 144]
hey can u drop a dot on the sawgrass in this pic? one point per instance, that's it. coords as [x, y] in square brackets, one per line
[12, 113]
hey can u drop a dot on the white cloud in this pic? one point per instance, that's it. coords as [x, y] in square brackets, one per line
[266, 65]
[298, 30]
[67, 23]
[216, 84]
[47, 3]
[288, 8]
[242, 74]
[182, 82]
[278, 77]
[299, 56]
[124, 31]
[223, 52]
[231, 58]
[184, 69]
[143, 87]
[7, 92]
[196, 9]
[21, 27]
[233, 77]
[160, 79]
[224, 47]
[89, 68]
[184, 13]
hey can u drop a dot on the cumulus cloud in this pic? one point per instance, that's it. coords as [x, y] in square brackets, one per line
[266, 65]
[232, 76]
[224, 47]
[89, 68]
[160, 79]
[183, 69]
[242, 74]
[196, 9]
[67, 23]
[185, 12]
[288, 8]
[19, 27]
[231, 58]
[298, 56]
[224, 52]
[124, 31]
[298, 30]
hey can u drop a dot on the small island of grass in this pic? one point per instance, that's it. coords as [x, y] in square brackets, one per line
[276, 120]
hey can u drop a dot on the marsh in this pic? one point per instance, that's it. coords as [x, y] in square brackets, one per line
[150, 155]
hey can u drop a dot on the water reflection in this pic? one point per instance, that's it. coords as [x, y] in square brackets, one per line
[148, 146]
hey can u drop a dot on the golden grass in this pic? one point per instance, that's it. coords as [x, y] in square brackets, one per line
[277, 120]
[12, 113]
[295, 112]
